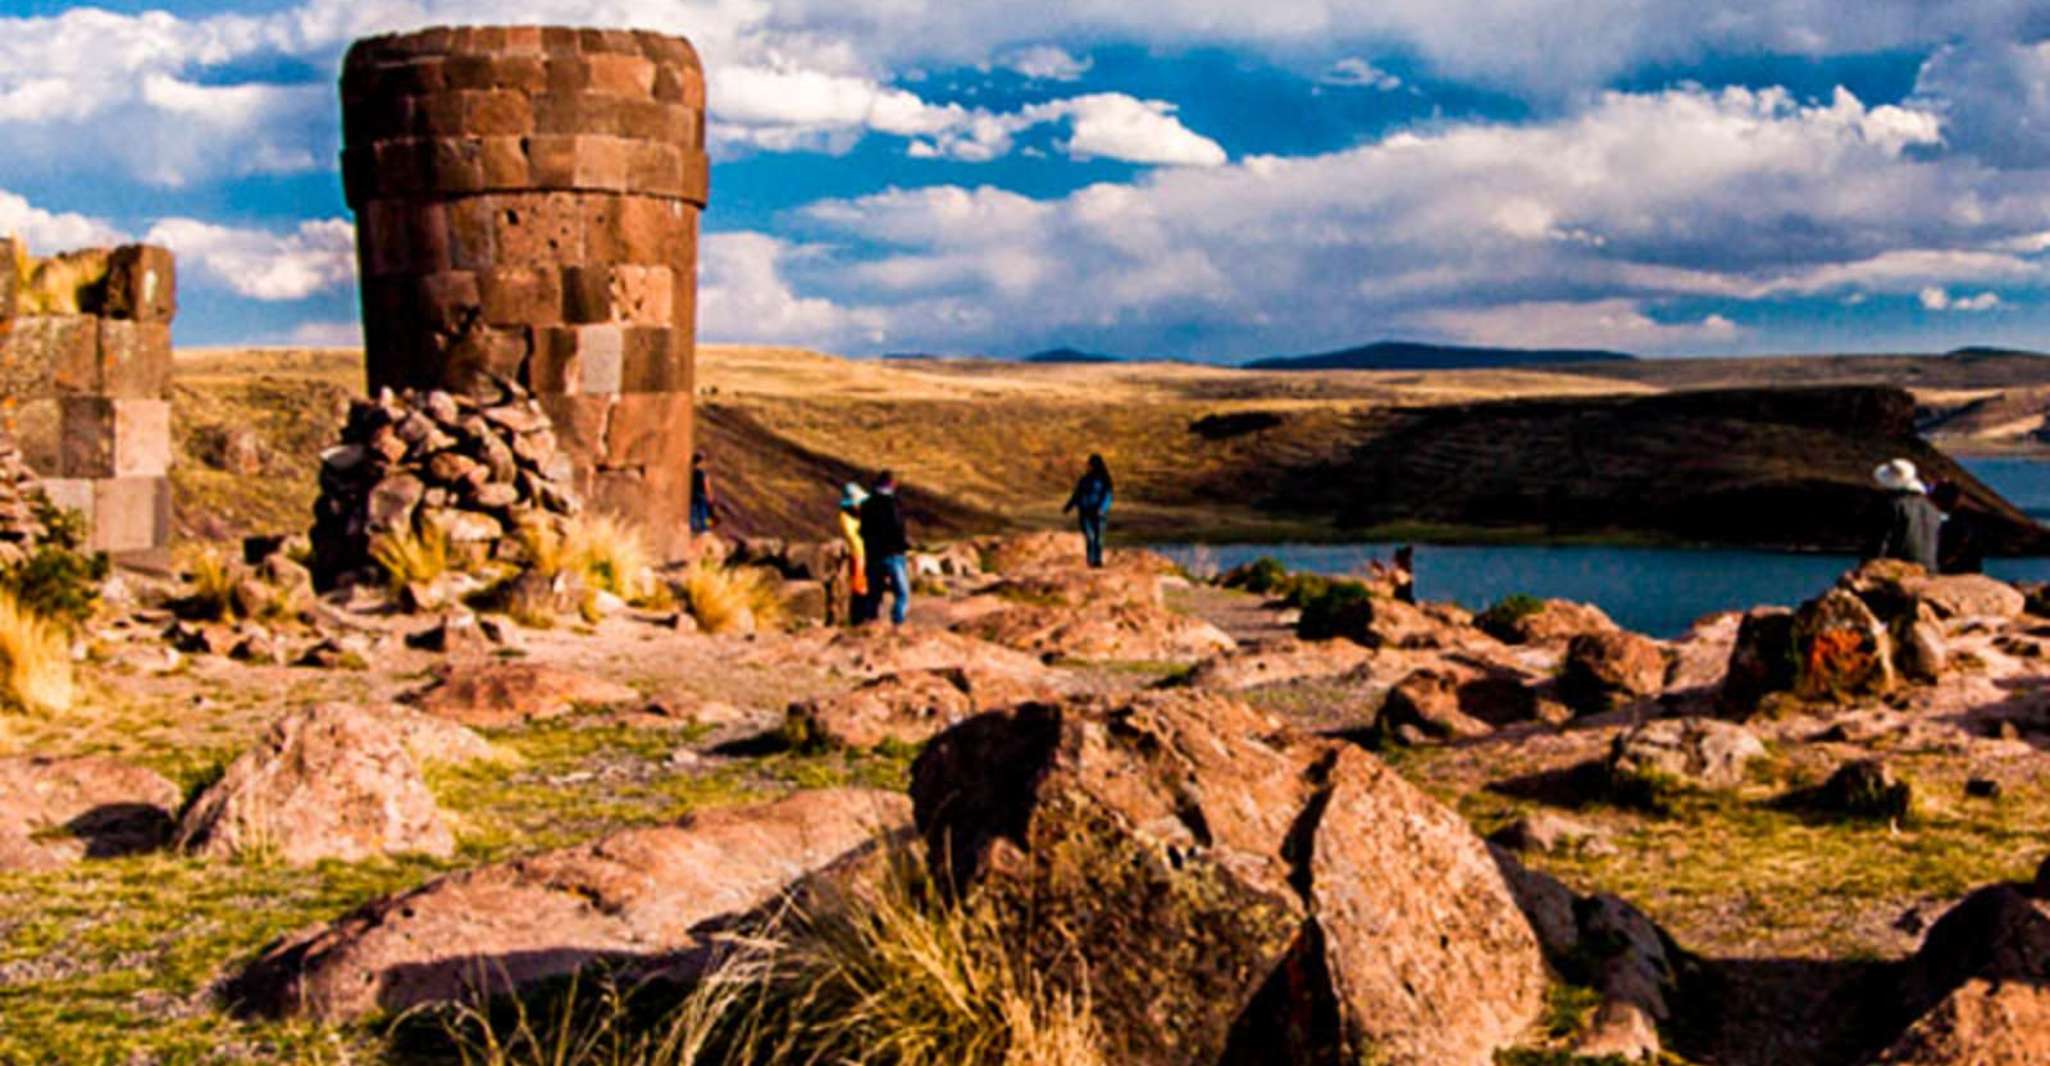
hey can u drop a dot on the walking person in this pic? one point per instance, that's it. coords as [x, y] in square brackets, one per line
[861, 605]
[1961, 546]
[886, 545]
[1091, 503]
[1913, 524]
[701, 499]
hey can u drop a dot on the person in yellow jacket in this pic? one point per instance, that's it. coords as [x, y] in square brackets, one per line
[861, 605]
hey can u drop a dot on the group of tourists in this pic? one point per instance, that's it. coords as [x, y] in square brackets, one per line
[878, 545]
[1933, 526]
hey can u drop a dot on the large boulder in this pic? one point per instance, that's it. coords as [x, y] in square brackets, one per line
[1426, 705]
[1543, 622]
[1762, 661]
[1609, 669]
[1604, 943]
[1113, 632]
[1219, 879]
[496, 695]
[908, 708]
[639, 896]
[1841, 649]
[1278, 661]
[56, 811]
[1894, 589]
[1701, 753]
[1976, 986]
[333, 781]
[875, 651]
[1981, 1023]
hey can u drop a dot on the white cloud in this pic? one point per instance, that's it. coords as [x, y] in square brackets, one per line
[1116, 126]
[1612, 324]
[1587, 229]
[1936, 298]
[1994, 98]
[48, 233]
[742, 296]
[261, 265]
[1355, 71]
[1046, 62]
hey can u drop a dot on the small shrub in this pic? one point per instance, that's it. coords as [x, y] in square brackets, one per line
[35, 655]
[59, 580]
[1502, 616]
[1339, 608]
[210, 583]
[1300, 589]
[409, 557]
[612, 554]
[1263, 576]
[716, 596]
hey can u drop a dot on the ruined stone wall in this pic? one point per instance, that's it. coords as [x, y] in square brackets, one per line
[527, 206]
[85, 377]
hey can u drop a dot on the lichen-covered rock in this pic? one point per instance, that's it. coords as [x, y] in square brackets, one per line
[497, 694]
[1549, 622]
[333, 781]
[638, 897]
[1689, 752]
[1203, 864]
[56, 811]
[1980, 1023]
[1427, 702]
[1277, 661]
[1113, 632]
[907, 708]
[1608, 669]
[1841, 649]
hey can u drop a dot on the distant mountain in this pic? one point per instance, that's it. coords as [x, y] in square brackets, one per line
[1980, 351]
[1407, 355]
[1069, 355]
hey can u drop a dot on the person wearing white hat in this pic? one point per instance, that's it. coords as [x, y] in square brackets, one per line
[1913, 524]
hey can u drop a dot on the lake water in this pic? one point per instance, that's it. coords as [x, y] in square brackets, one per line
[1660, 591]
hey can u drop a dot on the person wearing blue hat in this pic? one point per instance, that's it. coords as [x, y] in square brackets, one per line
[861, 606]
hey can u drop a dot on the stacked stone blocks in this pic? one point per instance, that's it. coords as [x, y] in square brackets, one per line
[527, 202]
[97, 340]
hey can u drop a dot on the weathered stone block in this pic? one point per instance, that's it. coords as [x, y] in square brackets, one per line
[505, 162]
[600, 351]
[497, 113]
[45, 353]
[649, 430]
[108, 438]
[602, 162]
[455, 165]
[10, 280]
[142, 283]
[71, 493]
[131, 513]
[621, 75]
[448, 301]
[521, 295]
[649, 362]
[552, 160]
[134, 359]
[472, 232]
[538, 227]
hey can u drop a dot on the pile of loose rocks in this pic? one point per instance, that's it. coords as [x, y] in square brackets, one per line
[475, 468]
[21, 528]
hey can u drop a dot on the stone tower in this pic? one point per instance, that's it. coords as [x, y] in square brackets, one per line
[527, 207]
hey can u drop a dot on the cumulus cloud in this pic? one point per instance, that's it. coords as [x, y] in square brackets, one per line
[1352, 70]
[49, 232]
[1046, 62]
[1936, 298]
[1994, 97]
[1116, 126]
[262, 265]
[1588, 229]
[743, 296]
[1612, 324]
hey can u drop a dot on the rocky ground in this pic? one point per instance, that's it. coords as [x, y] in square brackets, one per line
[1748, 846]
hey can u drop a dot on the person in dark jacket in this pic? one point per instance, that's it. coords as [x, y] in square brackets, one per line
[1091, 503]
[1961, 547]
[1913, 524]
[884, 541]
[701, 501]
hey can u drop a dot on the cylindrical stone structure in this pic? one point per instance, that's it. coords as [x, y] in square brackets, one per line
[527, 203]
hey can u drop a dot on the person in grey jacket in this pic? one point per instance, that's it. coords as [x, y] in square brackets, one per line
[1914, 526]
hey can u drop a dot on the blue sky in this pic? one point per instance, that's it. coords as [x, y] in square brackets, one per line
[1188, 179]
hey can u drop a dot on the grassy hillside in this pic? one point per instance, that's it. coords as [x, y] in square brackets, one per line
[1199, 452]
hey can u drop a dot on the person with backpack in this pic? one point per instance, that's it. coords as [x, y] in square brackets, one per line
[861, 606]
[701, 501]
[886, 544]
[1091, 503]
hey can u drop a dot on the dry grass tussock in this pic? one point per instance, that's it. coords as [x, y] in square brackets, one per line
[210, 585]
[35, 654]
[887, 973]
[409, 557]
[722, 597]
[612, 554]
